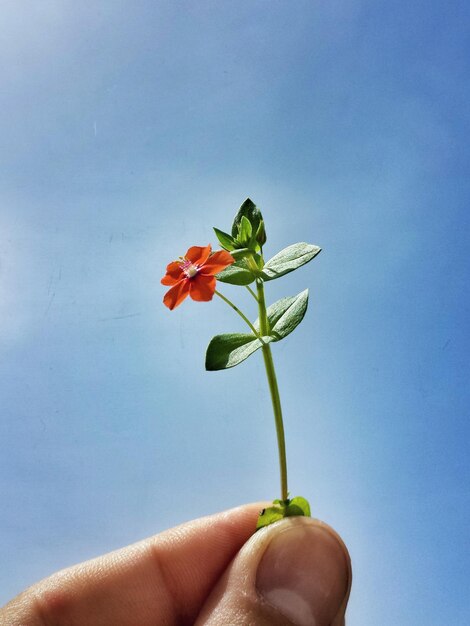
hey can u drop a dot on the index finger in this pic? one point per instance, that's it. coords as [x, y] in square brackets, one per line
[162, 580]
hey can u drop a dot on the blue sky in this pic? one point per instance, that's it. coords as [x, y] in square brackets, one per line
[128, 130]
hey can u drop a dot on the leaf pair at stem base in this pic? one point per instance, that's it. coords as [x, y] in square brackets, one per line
[283, 508]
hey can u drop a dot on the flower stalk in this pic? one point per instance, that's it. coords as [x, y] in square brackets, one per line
[264, 331]
[242, 315]
[274, 390]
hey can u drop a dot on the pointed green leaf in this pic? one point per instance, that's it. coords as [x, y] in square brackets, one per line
[244, 231]
[285, 315]
[261, 234]
[235, 274]
[249, 210]
[226, 351]
[289, 260]
[226, 240]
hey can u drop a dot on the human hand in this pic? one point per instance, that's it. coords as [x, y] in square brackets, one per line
[211, 571]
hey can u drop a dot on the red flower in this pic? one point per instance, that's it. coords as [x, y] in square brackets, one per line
[194, 274]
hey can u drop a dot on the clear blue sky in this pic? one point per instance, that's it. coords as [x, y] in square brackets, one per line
[129, 129]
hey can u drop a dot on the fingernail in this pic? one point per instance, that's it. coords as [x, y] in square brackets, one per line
[304, 574]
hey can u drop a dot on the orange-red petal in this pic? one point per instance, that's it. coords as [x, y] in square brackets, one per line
[198, 255]
[175, 296]
[216, 263]
[201, 288]
[173, 275]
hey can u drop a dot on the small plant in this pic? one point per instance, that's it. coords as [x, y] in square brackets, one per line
[241, 262]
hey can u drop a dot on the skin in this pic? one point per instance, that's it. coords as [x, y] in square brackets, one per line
[190, 574]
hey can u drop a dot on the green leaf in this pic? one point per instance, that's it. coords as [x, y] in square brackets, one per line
[299, 503]
[292, 510]
[261, 234]
[269, 516]
[249, 259]
[235, 274]
[285, 315]
[226, 351]
[289, 260]
[298, 506]
[226, 240]
[249, 210]
[245, 230]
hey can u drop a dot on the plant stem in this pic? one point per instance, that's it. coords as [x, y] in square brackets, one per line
[252, 292]
[244, 317]
[273, 388]
[270, 373]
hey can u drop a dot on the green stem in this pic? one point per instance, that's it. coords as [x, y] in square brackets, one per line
[252, 292]
[273, 388]
[237, 310]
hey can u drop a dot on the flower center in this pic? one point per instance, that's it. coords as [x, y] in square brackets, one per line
[189, 269]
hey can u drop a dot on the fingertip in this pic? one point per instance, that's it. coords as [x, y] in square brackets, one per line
[304, 572]
[296, 571]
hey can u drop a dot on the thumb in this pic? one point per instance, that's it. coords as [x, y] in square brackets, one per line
[296, 572]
